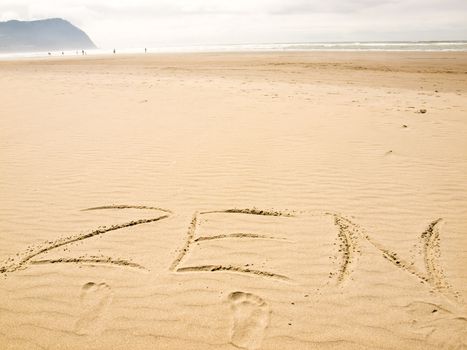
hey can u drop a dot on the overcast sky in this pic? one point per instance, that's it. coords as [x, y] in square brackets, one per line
[149, 23]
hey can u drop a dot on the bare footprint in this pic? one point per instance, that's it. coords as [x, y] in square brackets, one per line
[250, 320]
[95, 298]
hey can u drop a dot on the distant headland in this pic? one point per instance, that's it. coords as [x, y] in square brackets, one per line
[43, 35]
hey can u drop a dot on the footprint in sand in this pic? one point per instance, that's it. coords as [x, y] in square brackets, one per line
[250, 320]
[439, 325]
[95, 298]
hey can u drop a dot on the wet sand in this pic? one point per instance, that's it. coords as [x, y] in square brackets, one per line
[222, 201]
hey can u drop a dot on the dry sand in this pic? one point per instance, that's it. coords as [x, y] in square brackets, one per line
[254, 201]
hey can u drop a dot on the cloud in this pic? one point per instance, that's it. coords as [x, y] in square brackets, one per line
[161, 22]
[330, 6]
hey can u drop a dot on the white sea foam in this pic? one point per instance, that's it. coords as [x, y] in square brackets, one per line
[429, 46]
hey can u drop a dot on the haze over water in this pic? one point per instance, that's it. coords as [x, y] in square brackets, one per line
[428, 46]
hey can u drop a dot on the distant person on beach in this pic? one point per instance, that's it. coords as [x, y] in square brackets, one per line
[114, 51]
[82, 51]
[50, 54]
[145, 50]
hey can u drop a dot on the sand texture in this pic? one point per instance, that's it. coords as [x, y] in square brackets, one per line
[225, 201]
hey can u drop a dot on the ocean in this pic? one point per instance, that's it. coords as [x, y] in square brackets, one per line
[429, 46]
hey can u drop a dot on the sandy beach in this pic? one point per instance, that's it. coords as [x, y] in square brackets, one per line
[234, 200]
